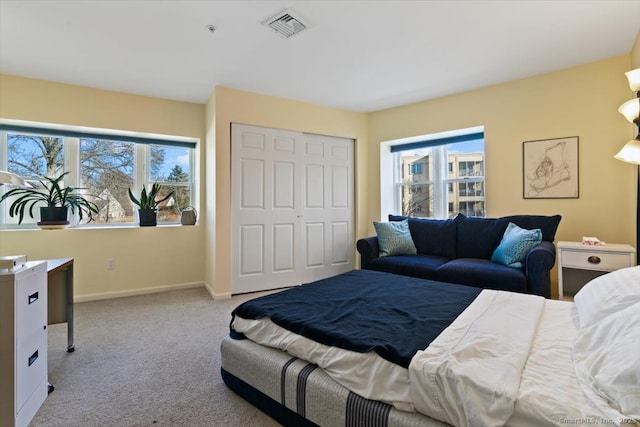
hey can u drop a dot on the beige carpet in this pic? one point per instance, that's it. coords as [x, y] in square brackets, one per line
[142, 361]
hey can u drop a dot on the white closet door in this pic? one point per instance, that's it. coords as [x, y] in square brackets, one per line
[291, 207]
[327, 207]
[264, 208]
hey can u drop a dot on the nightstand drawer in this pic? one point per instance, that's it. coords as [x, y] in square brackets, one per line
[601, 261]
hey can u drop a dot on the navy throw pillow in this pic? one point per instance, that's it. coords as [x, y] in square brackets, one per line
[432, 236]
[479, 237]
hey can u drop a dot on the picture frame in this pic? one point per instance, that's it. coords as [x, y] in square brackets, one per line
[550, 168]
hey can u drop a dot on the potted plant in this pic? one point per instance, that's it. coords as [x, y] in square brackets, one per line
[57, 200]
[148, 204]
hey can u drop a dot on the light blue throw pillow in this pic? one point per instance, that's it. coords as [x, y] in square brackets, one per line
[516, 243]
[394, 238]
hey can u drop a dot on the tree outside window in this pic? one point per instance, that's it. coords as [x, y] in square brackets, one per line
[34, 156]
[107, 169]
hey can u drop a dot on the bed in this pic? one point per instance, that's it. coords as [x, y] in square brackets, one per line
[367, 348]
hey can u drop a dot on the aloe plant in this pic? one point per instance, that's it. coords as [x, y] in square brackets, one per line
[52, 194]
[149, 200]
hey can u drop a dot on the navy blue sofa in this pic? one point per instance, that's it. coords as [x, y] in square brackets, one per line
[459, 250]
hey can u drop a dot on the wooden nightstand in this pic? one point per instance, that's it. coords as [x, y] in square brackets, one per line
[578, 263]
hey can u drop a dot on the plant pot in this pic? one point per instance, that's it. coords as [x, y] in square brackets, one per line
[188, 216]
[147, 217]
[54, 217]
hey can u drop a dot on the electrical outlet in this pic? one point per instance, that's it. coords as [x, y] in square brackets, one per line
[111, 264]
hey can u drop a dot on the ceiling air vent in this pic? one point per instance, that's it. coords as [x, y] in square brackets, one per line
[285, 23]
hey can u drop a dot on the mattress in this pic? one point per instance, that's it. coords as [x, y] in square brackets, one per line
[361, 327]
[549, 391]
[367, 374]
[543, 386]
[291, 390]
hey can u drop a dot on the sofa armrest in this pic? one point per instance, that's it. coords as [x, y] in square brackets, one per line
[368, 248]
[539, 262]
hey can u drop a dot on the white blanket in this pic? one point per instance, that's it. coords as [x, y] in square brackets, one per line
[467, 377]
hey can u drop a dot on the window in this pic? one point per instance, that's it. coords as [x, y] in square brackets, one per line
[25, 154]
[448, 171]
[107, 166]
[471, 189]
[471, 209]
[471, 168]
[107, 170]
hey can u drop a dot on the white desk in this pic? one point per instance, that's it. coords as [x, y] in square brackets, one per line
[60, 295]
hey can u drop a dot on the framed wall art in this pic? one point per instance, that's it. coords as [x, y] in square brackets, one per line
[550, 168]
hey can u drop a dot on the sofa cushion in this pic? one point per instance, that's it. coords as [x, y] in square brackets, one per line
[478, 237]
[515, 245]
[547, 224]
[432, 236]
[394, 238]
[482, 273]
[422, 266]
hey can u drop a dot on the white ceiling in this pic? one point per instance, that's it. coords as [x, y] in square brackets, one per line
[356, 55]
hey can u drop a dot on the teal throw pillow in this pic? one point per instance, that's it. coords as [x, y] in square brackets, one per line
[394, 238]
[516, 243]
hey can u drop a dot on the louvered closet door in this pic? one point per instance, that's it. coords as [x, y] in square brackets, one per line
[291, 207]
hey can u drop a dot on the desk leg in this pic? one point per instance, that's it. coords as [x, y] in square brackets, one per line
[69, 284]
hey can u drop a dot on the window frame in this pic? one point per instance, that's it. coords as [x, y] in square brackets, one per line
[391, 184]
[71, 162]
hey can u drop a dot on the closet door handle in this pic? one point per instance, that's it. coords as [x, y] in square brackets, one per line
[33, 358]
[33, 297]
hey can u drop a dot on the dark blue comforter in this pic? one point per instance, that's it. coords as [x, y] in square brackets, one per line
[365, 310]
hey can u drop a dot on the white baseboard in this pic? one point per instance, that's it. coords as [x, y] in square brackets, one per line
[143, 291]
[215, 296]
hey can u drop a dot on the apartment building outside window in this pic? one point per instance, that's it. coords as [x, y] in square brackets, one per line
[104, 166]
[439, 179]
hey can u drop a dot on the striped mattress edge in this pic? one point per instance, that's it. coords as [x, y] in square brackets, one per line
[305, 389]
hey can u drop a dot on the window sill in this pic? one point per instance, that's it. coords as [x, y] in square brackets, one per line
[94, 227]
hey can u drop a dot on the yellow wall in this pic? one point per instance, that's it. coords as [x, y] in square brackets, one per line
[635, 53]
[146, 258]
[228, 106]
[580, 101]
